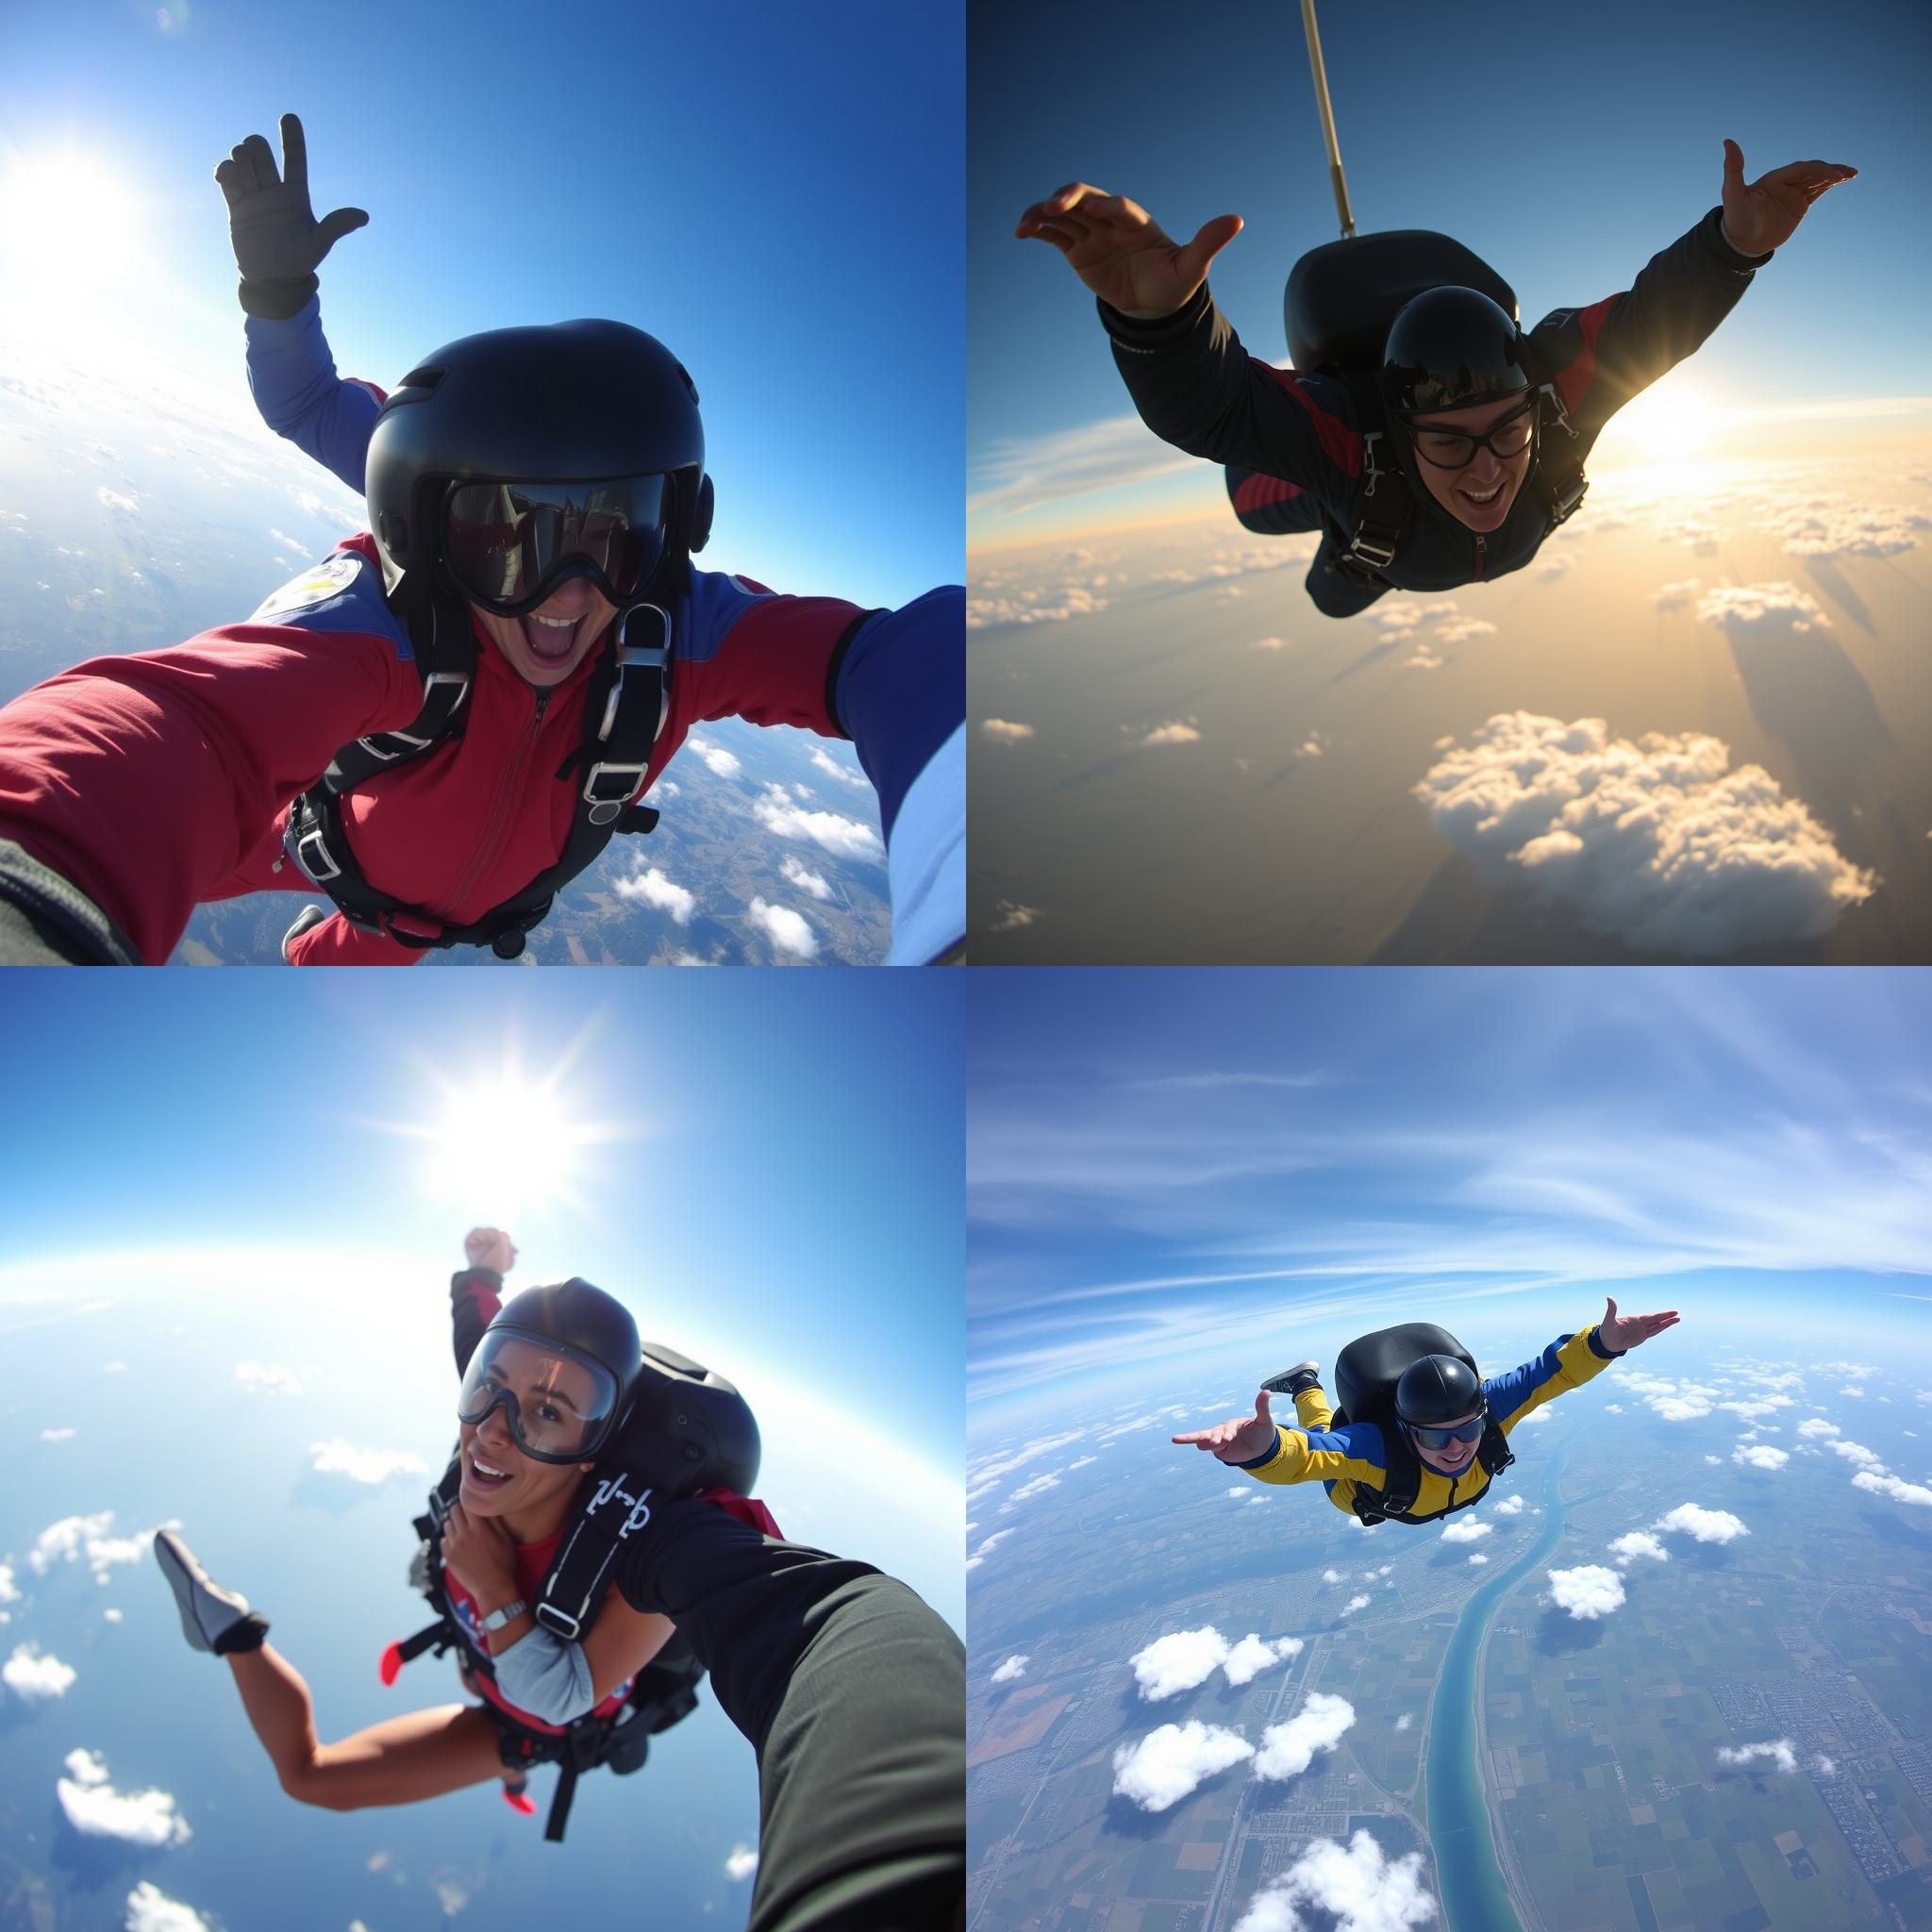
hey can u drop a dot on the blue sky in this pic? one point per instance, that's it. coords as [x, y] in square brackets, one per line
[773, 191]
[1606, 145]
[1169, 1170]
[750, 1192]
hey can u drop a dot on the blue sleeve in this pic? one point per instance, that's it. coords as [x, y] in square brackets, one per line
[293, 381]
[901, 697]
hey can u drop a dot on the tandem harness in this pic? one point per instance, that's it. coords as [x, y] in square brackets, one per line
[686, 1432]
[625, 711]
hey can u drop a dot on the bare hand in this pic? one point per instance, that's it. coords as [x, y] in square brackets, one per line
[478, 1552]
[1767, 213]
[492, 1248]
[1118, 250]
[1620, 1332]
[1240, 1439]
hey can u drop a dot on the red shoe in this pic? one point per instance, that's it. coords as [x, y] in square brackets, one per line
[517, 1799]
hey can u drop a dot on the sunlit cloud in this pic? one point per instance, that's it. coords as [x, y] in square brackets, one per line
[1657, 842]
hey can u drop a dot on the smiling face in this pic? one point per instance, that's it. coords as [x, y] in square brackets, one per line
[1454, 1459]
[553, 1394]
[545, 645]
[1484, 472]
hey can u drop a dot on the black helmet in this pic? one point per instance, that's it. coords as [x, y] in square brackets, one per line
[1437, 1389]
[1449, 347]
[562, 1363]
[568, 400]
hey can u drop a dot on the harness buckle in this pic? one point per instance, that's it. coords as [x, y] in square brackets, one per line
[312, 855]
[604, 805]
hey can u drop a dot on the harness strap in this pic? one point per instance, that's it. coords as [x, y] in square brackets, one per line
[626, 706]
[1381, 529]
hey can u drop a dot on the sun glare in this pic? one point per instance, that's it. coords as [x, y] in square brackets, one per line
[501, 1148]
[1670, 424]
[71, 230]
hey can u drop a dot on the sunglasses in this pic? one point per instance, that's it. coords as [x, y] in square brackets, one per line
[1441, 1439]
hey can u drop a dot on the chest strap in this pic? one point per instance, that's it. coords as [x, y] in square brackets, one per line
[626, 704]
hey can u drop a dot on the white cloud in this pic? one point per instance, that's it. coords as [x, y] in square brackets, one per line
[720, 762]
[1170, 1763]
[74, 1537]
[824, 761]
[741, 1862]
[150, 1909]
[1287, 1750]
[1894, 1486]
[796, 873]
[1179, 1662]
[1478, 1558]
[1825, 1766]
[268, 1375]
[1640, 1543]
[1760, 1456]
[93, 1807]
[656, 887]
[1780, 1753]
[1856, 1452]
[1815, 1426]
[1707, 1526]
[1266, 643]
[1357, 1890]
[1466, 1531]
[1335, 1577]
[1403, 1722]
[1353, 1603]
[1003, 1462]
[1002, 731]
[1176, 731]
[1036, 1487]
[1509, 1506]
[789, 931]
[1081, 1461]
[38, 1680]
[1019, 474]
[372, 1466]
[1586, 1591]
[843, 836]
[1253, 1655]
[1014, 1668]
[1657, 842]
[57, 1435]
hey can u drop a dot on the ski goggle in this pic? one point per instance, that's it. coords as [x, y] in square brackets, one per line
[1450, 449]
[560, 1404]
[507, 545]
[1441, 1439]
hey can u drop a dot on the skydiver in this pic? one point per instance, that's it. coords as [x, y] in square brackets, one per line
[443, 723]
[848, 1688]
[1465, 397]
[1447, 1426]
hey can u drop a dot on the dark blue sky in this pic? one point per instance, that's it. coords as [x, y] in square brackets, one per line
[1565, 144]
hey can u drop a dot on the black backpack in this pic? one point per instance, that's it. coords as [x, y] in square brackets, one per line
[1366, 1373]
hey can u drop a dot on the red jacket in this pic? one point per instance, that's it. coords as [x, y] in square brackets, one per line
[162, 780]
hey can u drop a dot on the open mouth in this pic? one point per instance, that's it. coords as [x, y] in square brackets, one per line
[550, 643]
[1489, 502]
[483, 1474]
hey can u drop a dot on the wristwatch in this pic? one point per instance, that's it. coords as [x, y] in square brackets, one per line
[508, 1614]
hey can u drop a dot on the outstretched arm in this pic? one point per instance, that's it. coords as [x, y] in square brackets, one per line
[475, 1292]
[852, 1692]
[1765, 214]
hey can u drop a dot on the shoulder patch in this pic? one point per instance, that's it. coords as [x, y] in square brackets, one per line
[329, 579]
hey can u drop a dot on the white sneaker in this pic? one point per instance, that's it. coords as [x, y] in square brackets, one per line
[207, 1610]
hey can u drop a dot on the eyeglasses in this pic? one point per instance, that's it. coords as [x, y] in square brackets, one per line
[1441, 1439]
[1450, 449]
